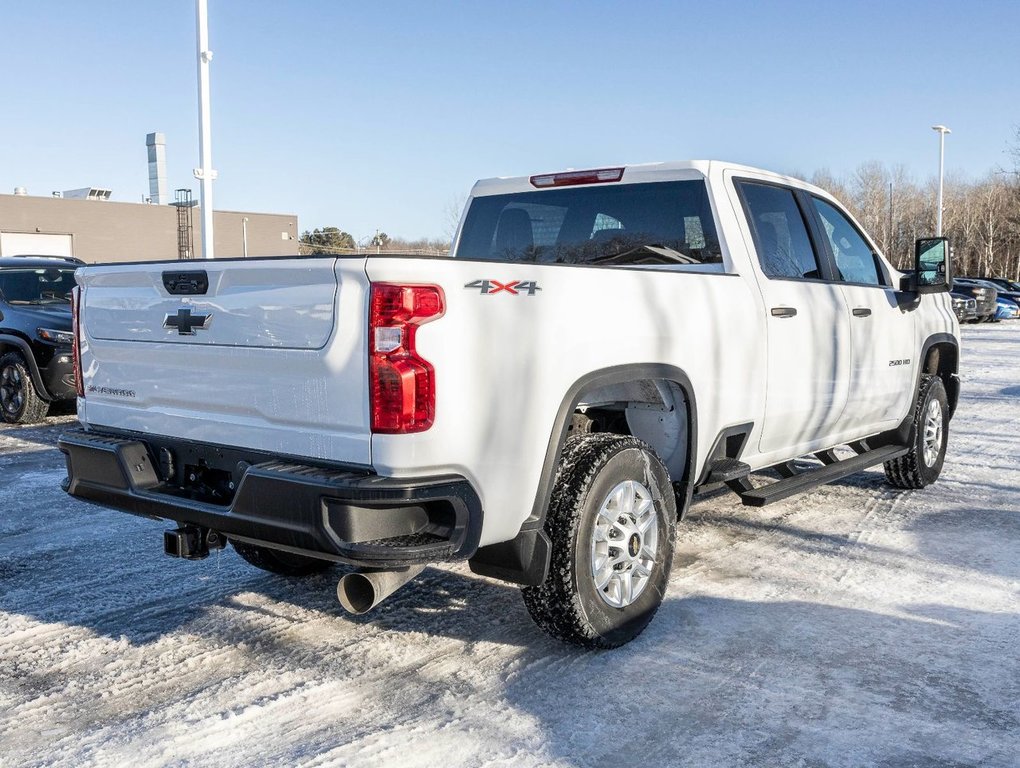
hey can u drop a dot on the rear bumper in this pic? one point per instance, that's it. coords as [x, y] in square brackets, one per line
[349, 516]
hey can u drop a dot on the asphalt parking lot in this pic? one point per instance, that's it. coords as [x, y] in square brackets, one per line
[856, 625]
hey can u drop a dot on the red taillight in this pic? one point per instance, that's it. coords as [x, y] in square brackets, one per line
[570, 178]
[402, 384]
[76, 344]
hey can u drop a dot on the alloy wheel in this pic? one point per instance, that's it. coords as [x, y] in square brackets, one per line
[624, 543]
[932, 433]
[12, 396]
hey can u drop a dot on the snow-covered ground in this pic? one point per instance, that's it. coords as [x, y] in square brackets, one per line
[856, 625]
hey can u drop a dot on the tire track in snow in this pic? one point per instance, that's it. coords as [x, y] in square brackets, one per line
[881, 508]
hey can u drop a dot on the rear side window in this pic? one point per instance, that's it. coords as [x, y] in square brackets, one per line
[780, 234]
[855, 261]
[667, 222]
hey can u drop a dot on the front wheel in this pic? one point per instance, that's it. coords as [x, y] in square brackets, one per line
[19, 401]
[612, 524]
[923, 464]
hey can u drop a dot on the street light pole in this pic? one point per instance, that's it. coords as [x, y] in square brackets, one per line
[942, 131]
[205, 174]
[244, 236]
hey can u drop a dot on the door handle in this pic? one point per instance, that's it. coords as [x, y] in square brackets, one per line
[783, 311]
[861, 312]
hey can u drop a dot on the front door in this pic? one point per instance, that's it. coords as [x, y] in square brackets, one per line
[883, 361]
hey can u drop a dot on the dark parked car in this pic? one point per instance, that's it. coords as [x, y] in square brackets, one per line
[1002, 282]
[983, 292]
[69, 259]
[36, 365]
[965, 307]
[1006, 288]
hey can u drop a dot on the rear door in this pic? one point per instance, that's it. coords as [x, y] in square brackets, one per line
[264, 354]
[808, 331]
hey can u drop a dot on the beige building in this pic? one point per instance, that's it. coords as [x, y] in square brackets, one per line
[96, 230]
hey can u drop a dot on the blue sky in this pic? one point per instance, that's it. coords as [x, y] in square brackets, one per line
[382, 114]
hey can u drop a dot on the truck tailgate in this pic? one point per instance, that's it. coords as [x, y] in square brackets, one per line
[271, 356]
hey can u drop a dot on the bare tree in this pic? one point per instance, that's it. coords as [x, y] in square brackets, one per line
[981, 219]
[452, 212]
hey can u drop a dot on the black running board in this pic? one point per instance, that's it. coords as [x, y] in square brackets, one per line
[795, 481]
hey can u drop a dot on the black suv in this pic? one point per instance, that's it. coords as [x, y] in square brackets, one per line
[36, 364]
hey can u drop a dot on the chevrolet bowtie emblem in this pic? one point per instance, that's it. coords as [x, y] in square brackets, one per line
[186, 323]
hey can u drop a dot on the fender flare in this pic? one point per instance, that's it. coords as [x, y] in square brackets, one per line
[606, 377]
[953, 384]
[7, 339]
[525, 559]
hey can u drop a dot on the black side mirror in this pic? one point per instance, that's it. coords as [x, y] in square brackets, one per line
[932, 272]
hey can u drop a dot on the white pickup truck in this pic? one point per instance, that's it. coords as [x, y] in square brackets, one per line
[543, 403]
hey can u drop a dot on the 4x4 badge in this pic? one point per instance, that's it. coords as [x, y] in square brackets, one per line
[186, 323]
[514, 287]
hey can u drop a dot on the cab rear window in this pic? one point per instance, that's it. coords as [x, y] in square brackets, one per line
[667, 222]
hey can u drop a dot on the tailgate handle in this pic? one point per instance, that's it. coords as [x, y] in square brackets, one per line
[194, 283]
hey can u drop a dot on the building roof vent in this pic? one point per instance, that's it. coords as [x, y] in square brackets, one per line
[87, 193]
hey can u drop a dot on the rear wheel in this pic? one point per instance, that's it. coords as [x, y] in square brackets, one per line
[612, 523]
[20, 403]
[923, 464]
[283, 563]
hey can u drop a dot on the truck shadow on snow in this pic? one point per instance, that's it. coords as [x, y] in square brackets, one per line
[123, 587]
[713, 680]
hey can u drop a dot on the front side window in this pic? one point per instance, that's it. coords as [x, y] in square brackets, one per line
[46, 285]
[780, 234]
[668, 222]
[855, 261]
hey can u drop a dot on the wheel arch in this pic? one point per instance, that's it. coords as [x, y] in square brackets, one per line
[525, 559]
[601, 379]
[12, 343]
[940, 356]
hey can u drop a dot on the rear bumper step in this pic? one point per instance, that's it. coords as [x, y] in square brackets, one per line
[335, 514]
[795, 482]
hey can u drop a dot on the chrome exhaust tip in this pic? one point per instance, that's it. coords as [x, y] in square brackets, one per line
[361, 591]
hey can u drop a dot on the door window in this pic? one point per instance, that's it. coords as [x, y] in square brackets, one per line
[780, 235]
[855, 261]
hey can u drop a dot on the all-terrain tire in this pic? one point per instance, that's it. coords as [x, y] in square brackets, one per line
[570, 605]
[917, 468]
[282, 563]
[20, 403]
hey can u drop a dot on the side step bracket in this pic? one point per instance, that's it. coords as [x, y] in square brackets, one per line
[795, 481]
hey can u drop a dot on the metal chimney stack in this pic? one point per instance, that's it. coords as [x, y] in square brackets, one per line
[156, 144]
